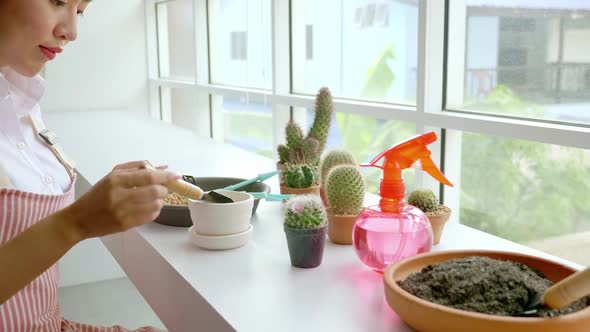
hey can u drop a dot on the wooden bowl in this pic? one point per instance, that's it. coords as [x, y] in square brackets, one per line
[425, 316]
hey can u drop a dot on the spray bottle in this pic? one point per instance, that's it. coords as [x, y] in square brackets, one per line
[393, 230]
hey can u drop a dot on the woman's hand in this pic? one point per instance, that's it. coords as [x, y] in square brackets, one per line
[132, 194]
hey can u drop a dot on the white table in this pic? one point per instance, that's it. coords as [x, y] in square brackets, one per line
[252, 288]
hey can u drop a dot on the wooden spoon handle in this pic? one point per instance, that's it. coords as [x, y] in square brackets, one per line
[184, 188]
[568, 290]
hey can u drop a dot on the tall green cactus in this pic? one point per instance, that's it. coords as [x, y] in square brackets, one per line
[298, 150]
[323, 117]
[305, 212]
[345, 190]
[303, 149]
[424, 199]
[334, 158]
[300, 175]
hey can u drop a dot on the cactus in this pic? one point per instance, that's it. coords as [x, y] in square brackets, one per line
[294, 135]
[334, 158]
[283, 153]
[345, 190]
[323, 117]
[310, 151]
[300, 175]
[300, 149]
[305, 212]
[424, 199]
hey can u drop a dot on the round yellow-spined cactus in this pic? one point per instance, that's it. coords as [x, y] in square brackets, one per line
[345, 190]
[424, 199]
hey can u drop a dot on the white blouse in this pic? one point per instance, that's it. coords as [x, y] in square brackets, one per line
[25, 158]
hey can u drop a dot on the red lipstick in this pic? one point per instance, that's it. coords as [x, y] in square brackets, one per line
[50, 52]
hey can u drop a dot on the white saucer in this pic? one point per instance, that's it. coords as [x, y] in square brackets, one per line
[220, 242]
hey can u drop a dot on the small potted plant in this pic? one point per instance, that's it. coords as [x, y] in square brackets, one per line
[305, 229]
[437, 214]
[345, 193]
[298, 146]
[299, 179]
[331, 159]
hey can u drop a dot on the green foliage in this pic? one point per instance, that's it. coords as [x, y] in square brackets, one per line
[300, 175]
[380, 77]
[324, 109]
[333, 158]
[522, 190]
[424, 199]
[345, 190]
[300, 149]
[305, 212]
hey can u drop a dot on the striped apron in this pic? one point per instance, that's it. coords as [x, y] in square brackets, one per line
[35, 307]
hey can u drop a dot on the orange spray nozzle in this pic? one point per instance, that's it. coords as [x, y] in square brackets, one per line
[401, 156]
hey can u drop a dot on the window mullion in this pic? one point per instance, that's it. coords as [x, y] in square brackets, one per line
[281, 65]
[206, 119]
[429, 96]
[152, 57]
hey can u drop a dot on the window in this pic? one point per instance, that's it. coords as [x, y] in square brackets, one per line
[240, 43]
[504, 83]
[309, 42]
[362, 52]
[535, 51]
[176, 41]
[532, 193]
[178, 106]
[246, 123]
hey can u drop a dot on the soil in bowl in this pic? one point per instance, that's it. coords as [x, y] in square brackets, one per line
[484, 285]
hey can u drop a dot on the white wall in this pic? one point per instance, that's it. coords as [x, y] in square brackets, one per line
[105, 69]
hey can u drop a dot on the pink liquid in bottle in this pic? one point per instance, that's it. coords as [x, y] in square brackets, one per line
[382, 238]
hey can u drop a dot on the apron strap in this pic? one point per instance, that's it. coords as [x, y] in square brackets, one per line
[50, 138]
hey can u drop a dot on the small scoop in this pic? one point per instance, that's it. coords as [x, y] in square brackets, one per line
[570, 289]
[188, 188]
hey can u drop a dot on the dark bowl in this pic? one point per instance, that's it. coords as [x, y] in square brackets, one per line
[179, 216]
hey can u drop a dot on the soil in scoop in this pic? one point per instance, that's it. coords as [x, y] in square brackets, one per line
[483, 285]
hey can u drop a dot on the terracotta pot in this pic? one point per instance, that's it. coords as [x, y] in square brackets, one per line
[280, 167]
[426, 316]
[315, 190]
[306, 246]
[438, 221]
[340, 228]
[323, 196]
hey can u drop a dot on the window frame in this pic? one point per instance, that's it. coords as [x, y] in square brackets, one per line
[434, 90]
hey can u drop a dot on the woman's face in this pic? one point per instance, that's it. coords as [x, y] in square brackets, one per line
[33, 32]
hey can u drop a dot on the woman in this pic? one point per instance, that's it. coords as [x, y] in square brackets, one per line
[38, 221]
